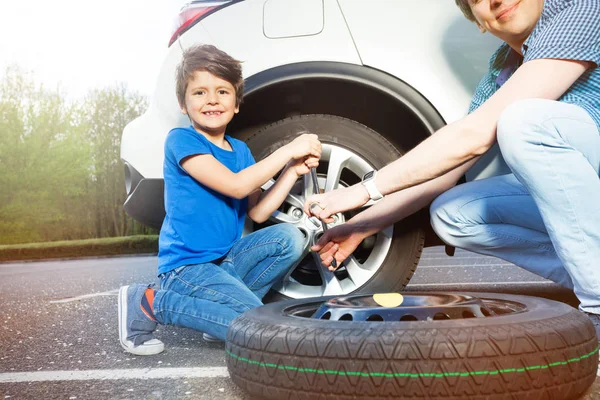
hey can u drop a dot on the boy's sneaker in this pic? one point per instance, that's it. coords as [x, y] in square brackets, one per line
[210, 338]
[595, 318]
[135, 328]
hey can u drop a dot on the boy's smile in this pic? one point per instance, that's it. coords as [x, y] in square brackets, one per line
[510, 20]
[210, 102]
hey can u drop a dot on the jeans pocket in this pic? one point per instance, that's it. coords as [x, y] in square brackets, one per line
[168, 277]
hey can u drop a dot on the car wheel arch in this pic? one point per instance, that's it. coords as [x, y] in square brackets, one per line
[372, 97]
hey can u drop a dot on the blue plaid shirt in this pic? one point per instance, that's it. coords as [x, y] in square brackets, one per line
[568, 30]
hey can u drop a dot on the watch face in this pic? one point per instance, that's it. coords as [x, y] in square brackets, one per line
[368, 175]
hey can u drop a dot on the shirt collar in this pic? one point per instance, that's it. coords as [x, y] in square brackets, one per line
[511, 63]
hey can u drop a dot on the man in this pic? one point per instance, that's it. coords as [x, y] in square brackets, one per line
[540, 100]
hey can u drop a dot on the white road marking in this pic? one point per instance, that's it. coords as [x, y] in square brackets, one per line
[119, 374]
[114, 374]
[86, 296]
[417, 285]
[461, 257]
[466, 266]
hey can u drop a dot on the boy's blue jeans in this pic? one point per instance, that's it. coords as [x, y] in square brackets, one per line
[207, 297]
[545, 217]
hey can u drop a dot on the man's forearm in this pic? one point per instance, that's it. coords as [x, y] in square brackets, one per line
[404, 203]
[447, 149]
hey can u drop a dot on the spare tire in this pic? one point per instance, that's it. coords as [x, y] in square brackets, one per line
[514, 347]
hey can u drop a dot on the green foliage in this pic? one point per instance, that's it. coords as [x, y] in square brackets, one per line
[44, 159]
[106, 113]
[60, 170]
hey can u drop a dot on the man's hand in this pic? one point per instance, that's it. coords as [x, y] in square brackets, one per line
[338, 242]
[323, 206]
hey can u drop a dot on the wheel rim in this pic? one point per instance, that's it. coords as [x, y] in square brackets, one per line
[424, 307]
[338, 167]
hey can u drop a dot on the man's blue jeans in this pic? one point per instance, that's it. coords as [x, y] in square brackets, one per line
[207, 297]
[545, 216]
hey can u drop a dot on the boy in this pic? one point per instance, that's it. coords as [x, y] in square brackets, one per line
[209, 274]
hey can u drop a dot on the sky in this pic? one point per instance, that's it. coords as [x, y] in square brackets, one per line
[81, 45]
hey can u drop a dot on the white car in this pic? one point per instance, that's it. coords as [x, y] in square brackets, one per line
[371, 78]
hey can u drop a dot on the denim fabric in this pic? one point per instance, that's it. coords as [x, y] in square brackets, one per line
[208, 296]
[545, 217]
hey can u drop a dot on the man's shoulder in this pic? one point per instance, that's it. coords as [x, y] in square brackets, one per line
[565, 13]
[555, 7]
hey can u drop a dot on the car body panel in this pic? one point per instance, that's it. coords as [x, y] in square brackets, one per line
[289, 18]
[332, 43]
[428, 44]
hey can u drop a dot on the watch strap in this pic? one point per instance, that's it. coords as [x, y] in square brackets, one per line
[369, 184]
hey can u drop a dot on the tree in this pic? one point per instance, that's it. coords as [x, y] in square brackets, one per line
[44, 162]
[106, 112]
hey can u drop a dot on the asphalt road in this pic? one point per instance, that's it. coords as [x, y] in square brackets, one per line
[58, 335]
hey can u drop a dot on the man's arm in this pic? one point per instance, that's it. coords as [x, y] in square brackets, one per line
[342, 240]
[404, 203]
[472, 136]
[459, 142]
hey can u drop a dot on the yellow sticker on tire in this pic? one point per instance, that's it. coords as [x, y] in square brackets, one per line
[388, 299]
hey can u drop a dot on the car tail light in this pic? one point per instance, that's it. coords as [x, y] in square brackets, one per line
[193, 12]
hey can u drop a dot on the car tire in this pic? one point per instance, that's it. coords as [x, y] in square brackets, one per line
[395, 269]
[549, 351]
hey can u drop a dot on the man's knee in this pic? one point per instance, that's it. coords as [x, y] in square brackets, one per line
[443, 212]
[519, 127]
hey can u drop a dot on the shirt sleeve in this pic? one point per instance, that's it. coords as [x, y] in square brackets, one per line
[573, 34]
[182, 143]
[249, 157]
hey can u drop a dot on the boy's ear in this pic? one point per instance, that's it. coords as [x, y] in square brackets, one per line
[236, 110]
[481, 28]
[183, 109]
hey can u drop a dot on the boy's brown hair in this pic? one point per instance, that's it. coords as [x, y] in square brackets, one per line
[466, 9]
[208, 58]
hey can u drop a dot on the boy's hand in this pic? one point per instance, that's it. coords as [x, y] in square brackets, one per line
[305, 145]
[302, 166]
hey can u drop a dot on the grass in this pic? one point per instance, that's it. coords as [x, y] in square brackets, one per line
[80, 248]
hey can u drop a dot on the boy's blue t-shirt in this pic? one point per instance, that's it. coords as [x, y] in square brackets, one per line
[200, 224]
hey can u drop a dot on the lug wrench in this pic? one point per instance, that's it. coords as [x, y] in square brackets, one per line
[332, 285]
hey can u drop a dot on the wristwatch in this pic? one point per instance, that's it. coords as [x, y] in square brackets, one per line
[368, 180]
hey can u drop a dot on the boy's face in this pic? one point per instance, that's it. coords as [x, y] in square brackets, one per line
[509, 20]
[209, 102]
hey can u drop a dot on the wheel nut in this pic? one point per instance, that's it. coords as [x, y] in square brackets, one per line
[297, 213]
